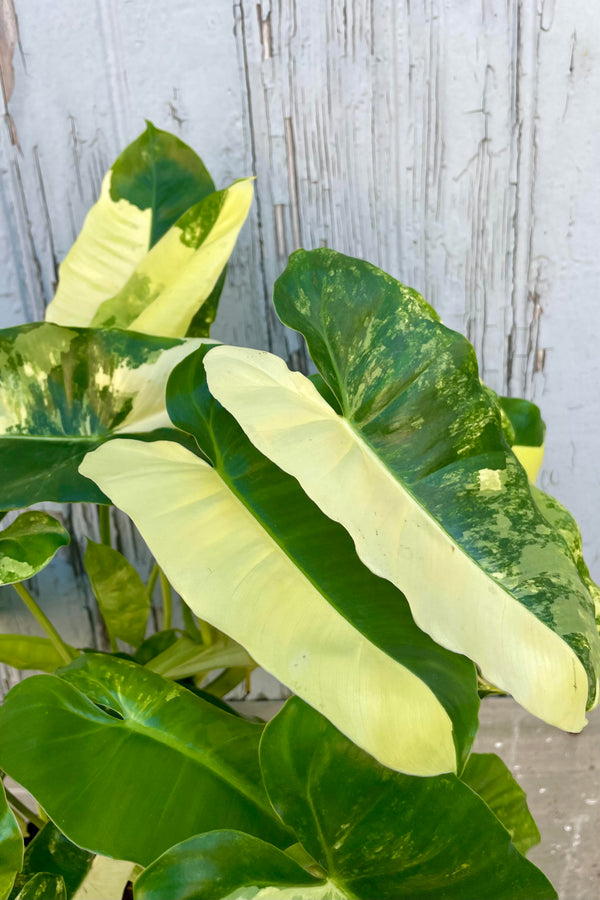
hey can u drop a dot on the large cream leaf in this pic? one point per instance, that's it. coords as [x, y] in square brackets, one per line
[418, 471]
[251, 554]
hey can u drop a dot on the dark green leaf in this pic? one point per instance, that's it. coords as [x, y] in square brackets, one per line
[222, 864]
[52, 853]
[155, 645]
[377, 833]
[489, 777]
[120, 592]
[28, 545]
[161, 173]
[107, 744]
[526, 420]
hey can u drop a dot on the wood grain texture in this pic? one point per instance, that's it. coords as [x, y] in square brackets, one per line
[454, 144]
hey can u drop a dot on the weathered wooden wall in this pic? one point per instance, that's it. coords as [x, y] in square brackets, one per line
[454, 143]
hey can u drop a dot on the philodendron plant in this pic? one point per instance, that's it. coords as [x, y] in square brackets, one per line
[369, 535]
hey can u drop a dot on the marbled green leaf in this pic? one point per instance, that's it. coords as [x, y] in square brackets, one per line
[43, 886]
[243, 545]
[125, 762]
[28, 544]
[488, 776]
[52, 853]
[64, 391]
[11, 847]
[419, 473]
[120, 592]
[149, 186]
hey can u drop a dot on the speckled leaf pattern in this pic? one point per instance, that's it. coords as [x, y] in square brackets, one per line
[63, 391]
[120, 592]
[529, 433]
[488, 776]
[11, 847]
[149, 186]
[339, 636]
[110, 743]
[377, 833]
[172, 283]
[28, 545]
[51, 852]
[43, 886]
[563, 522]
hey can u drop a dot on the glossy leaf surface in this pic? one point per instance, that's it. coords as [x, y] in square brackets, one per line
[377, 833]
[149, 186]
[11, 846]
[338, 636]
[63, 391]
[225, 864]
[174, 282]
[419, 473]
[120, 592]
[51, 852]
[489, 777]
[107, 744]
[28, 544]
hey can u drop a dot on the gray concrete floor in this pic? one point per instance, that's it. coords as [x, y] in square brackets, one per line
[561, 776]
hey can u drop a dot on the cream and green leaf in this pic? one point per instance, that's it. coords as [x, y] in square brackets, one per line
[366, 832]
[173, 284]
[419, 473]
[152, 252]
[148, 188]
[63, 391]
[244, 546]
[28, 545]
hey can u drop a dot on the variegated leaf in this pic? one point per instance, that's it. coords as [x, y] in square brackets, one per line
[244, 546]
[64, 391]
[149, 186]
[419, 473]
[173, 283]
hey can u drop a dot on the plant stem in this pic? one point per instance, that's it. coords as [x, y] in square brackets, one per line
[152, 580]
[104, 524]
[190, 624]
[45, 622]
[24, 810]
[167, 598]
